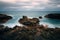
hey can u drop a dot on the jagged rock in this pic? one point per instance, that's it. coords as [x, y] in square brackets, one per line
[53, 16]
[28, 21]
[22, 33]
[4, 18]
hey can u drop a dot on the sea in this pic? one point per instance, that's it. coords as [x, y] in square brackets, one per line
[52, 23]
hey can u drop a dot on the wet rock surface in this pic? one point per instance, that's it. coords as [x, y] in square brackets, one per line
[4, 18]
[53, 16]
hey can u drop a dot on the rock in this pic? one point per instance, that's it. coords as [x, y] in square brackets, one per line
[22, 33]
[40, 17]
[28, 21]
[43, 26]
[2, 26]
[53, 16]
[4, 18]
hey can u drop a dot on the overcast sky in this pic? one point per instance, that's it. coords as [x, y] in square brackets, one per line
[29, 5]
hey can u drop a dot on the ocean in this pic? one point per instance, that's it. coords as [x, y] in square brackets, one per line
[52, 23]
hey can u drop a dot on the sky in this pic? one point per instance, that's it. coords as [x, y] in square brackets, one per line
[29, 5]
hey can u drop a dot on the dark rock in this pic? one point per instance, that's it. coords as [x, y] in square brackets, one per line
[28, 21]
[40, 17]
[4, 18]
[23, 33]
[1, 27]
[53, 16]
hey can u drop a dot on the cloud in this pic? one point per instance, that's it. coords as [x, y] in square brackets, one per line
[58, 5]
[4, 6]
[9, 1]
[33, 5]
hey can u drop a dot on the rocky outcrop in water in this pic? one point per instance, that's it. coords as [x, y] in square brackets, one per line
[29, 21]
[4, 18]
[53, 16]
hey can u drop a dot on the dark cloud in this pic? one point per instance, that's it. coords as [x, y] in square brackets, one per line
[52, 5]
[5, 6]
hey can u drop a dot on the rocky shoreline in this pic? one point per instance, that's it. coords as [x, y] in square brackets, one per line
[31, 30]
[29, 33]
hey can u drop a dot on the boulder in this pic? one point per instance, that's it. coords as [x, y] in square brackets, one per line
[53, 16]
[40, 17]
[4, 18]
